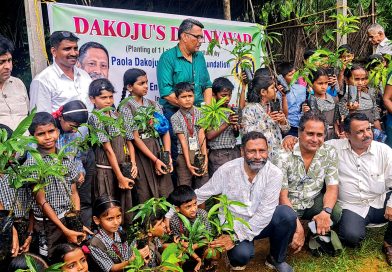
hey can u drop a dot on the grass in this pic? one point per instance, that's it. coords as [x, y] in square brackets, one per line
[367, 258]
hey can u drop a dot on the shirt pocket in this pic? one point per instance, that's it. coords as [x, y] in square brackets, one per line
[377, 183]
[178, 75]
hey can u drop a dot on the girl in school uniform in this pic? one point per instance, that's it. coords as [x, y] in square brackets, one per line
[154, 176]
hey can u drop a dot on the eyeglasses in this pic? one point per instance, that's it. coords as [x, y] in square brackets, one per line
[67, 34]
[200, 38]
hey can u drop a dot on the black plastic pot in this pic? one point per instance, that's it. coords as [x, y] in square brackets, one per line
[125, 168]
[6, 223]
[164, 156]
[22, 225]
[199, 162]
[141, 243]
[74, 222]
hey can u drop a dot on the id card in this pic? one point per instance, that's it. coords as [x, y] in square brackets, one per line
[193, 144]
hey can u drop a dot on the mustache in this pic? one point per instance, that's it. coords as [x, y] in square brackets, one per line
[366, 139]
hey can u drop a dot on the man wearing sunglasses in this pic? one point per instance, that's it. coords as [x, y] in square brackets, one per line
[62, 81]
[183, 63]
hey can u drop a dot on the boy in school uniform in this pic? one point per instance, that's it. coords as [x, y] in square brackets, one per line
[191, 138]
[222, 142]
[55, 200]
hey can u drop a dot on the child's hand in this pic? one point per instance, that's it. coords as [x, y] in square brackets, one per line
[15, 243]
[352, 106]
[159, 167]
[193, 170]
[244, 79]
[73, 236]
[171, 165]
[332, 80]
[125, 183]
[87, 230]
[145, 253]
[26, 245]
[134, 171]
[80, 179]
[305, 108]
[233, 119]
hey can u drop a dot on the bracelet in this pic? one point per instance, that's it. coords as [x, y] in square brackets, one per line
[43, 204]
[30, 234]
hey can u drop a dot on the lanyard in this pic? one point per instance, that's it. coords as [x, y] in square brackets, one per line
[190, 128]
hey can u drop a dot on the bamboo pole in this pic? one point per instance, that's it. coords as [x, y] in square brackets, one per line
[38, 60]
[342, 10]
[226, 10]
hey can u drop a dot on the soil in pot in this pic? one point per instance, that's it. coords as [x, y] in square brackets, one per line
[141, 243]
[125, 168]
[22, 225]
[6, 222]
[164, 156]
[74, 222]
[199, 162]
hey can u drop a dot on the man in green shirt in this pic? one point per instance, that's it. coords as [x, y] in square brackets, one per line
[183, 63]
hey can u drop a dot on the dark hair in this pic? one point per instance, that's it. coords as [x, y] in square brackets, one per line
[345, 48]
[7, 129]
[252, 135]
[85, 47]
[220, 84]
[308, 53]
[187, 25]
[263, 72]
[353, 116]
[153, 218]
[58, 36]
[285, 67]
[348, 72]
[98, 85]
[103, 203]
[183, 87]
[75, 111]
[130, 77]
[310, 116]
[314, 75]
[61, 250]
[19, 262]
[6, 46]
[41, 119]
[181, 194]
[258, 83]
[373, 57]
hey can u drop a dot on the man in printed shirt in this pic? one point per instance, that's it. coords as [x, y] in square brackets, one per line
[307, 169]
[255, 181]
[377, 38]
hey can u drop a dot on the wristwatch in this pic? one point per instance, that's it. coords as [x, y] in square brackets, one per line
[327, 210]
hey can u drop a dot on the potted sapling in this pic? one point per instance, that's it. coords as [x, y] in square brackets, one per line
[151, 123]
[138, 231]
[221, 217]
[33, 266]
[12, 150]
[213, 115]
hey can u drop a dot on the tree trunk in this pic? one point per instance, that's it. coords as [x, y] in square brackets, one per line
[226, 10]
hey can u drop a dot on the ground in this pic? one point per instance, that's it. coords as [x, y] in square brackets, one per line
[368, 258]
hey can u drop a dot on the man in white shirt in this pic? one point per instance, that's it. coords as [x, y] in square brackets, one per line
[377, 38]
[14, 102]
[365, 182]
[256, 182]
[62, 81]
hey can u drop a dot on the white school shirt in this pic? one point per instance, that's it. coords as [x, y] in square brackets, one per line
[51, 89]
[365, 179]
[384, 47]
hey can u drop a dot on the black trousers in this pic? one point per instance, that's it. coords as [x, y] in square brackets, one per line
[352, 228]
[280, 232]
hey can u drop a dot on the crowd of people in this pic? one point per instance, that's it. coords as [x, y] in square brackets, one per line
[313, 150]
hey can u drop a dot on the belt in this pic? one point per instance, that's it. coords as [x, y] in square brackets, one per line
[104, 166]
[60, 216]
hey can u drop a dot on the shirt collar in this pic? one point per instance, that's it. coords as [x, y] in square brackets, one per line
[187, 112]
[384, 42]
[60, 72]
[109, 240]
[179, 53]
[347, 145]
